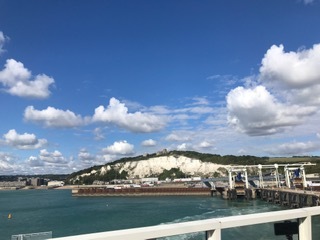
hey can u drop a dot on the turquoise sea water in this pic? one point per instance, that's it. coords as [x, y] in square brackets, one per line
[64, 215]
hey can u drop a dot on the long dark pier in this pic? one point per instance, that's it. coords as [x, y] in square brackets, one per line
[292, 198]
[147, 191]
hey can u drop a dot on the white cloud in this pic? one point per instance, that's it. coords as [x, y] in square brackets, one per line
[87, 159]
[291, 69]
[242, 152]
[227, 80]
[18, 81]
[52, 117]
[98, 134]
[205, 144]
[201, 110]
[54, 157]
[294, 148]
[179, 136]
[308, 1]
[7, 164]
[3, 39]
[256, 112]
[200, 101]
[149, 143]
[23, 141]
[35, 162]
[49, 162]
[117, 113]
[119, 148]
[182, 147]
[85, 156]
[200, 105]
[162, 110]
[288, 94]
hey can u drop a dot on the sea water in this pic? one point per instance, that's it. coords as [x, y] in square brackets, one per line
[58, 211]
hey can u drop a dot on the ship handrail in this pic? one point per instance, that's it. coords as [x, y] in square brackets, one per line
[212, 227]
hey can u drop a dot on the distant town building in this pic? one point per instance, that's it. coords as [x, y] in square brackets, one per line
[97, 182]
[14, 184]
[36, 182]
[149, 180]
[55, 184]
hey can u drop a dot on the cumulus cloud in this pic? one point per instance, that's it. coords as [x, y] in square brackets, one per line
[7, 164]
[257, 112]
[182, 147]
[287, 96]
[179, 136]
[85, 156]
[294, 148]
[50, 162]
[291, 69]
[18, 81]
[33, 161]
[54, 157]
[87, 159]
[119, 148]
[52, 117]
[149, 143]
[23, 141]
[117, 113]
[205, 144]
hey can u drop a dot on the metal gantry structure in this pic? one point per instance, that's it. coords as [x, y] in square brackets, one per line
[291, 172]
[240, 171]
[276, 174]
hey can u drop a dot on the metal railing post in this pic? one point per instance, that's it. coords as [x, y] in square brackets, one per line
[305, 228]
[213, 234]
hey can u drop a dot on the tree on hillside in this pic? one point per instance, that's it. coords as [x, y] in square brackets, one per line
[171, 174]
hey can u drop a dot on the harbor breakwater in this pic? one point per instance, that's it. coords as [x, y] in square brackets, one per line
[143, 191]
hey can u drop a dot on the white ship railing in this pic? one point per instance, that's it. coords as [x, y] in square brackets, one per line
[32, 236]
[212, 227]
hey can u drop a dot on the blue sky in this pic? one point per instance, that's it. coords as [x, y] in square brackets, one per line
[84, 83]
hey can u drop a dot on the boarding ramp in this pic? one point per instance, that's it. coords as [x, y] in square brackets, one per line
[32, 236]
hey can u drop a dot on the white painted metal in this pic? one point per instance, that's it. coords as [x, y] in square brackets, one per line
[292, 167]
[305, 230]
[230, 180]
[276, 174]
[246, 177]
[287, 175]
[304, 179]
[212, 227]
[237, 169]
[213, 234]
[261, 182]
[287, 169]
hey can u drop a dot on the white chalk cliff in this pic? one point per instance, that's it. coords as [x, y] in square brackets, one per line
[156, 165]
